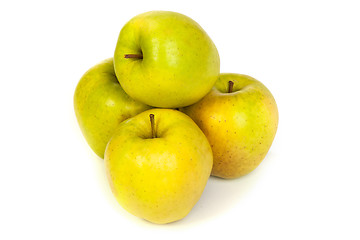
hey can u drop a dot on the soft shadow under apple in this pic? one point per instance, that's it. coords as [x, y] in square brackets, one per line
[219, 196]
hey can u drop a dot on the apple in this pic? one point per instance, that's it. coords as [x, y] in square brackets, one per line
[158, 164]
[239, 118]
[165, 59]
[101, 104]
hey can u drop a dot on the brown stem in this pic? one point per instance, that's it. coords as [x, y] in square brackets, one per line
[138, 56]
[152, 121]
[231, 85]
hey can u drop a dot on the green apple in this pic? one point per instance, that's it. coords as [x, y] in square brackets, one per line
[165, 59]
[101, 104]
[158, 167]
[240, 118]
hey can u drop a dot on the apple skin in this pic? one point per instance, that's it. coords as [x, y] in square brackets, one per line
[101, 104]
[240, 126]
[158, 179]
[180, 62]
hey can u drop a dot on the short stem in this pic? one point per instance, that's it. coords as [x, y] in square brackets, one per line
[152, 121]
[231, 85]
[138, 56]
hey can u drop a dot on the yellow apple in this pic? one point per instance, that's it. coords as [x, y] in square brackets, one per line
[165, 59]
[158, 167]
[101, 104]
[240, 118]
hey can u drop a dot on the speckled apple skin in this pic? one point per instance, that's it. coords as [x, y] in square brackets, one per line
[240, 126]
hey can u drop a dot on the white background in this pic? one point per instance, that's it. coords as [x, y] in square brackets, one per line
[52, 186]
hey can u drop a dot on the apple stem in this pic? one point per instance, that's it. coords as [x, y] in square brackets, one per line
[231, 85]
[152, 121]
[138, 56]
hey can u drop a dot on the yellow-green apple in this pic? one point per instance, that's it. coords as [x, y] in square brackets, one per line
[240, 118]
[165, 59]
[157, 164]
[101, 104]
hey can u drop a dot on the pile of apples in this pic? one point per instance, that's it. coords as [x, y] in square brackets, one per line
[164, 119]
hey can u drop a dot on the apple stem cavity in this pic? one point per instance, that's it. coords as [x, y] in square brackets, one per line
[137, 56]
[231, 85]
[152, 121]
